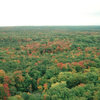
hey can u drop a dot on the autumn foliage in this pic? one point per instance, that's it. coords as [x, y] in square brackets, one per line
[50, 63]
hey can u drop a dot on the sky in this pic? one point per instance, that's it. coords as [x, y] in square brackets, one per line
[49, 12]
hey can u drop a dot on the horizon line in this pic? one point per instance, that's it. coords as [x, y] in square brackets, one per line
[45, 25]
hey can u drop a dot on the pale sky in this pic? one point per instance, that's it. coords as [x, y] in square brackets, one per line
[49, 12]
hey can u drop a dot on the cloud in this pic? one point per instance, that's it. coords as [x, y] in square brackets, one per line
[49, 12]
[96, 14]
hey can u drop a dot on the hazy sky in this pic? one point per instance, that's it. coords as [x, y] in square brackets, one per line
[49, 12]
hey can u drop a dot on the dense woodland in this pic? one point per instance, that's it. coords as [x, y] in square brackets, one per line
[50, 63]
